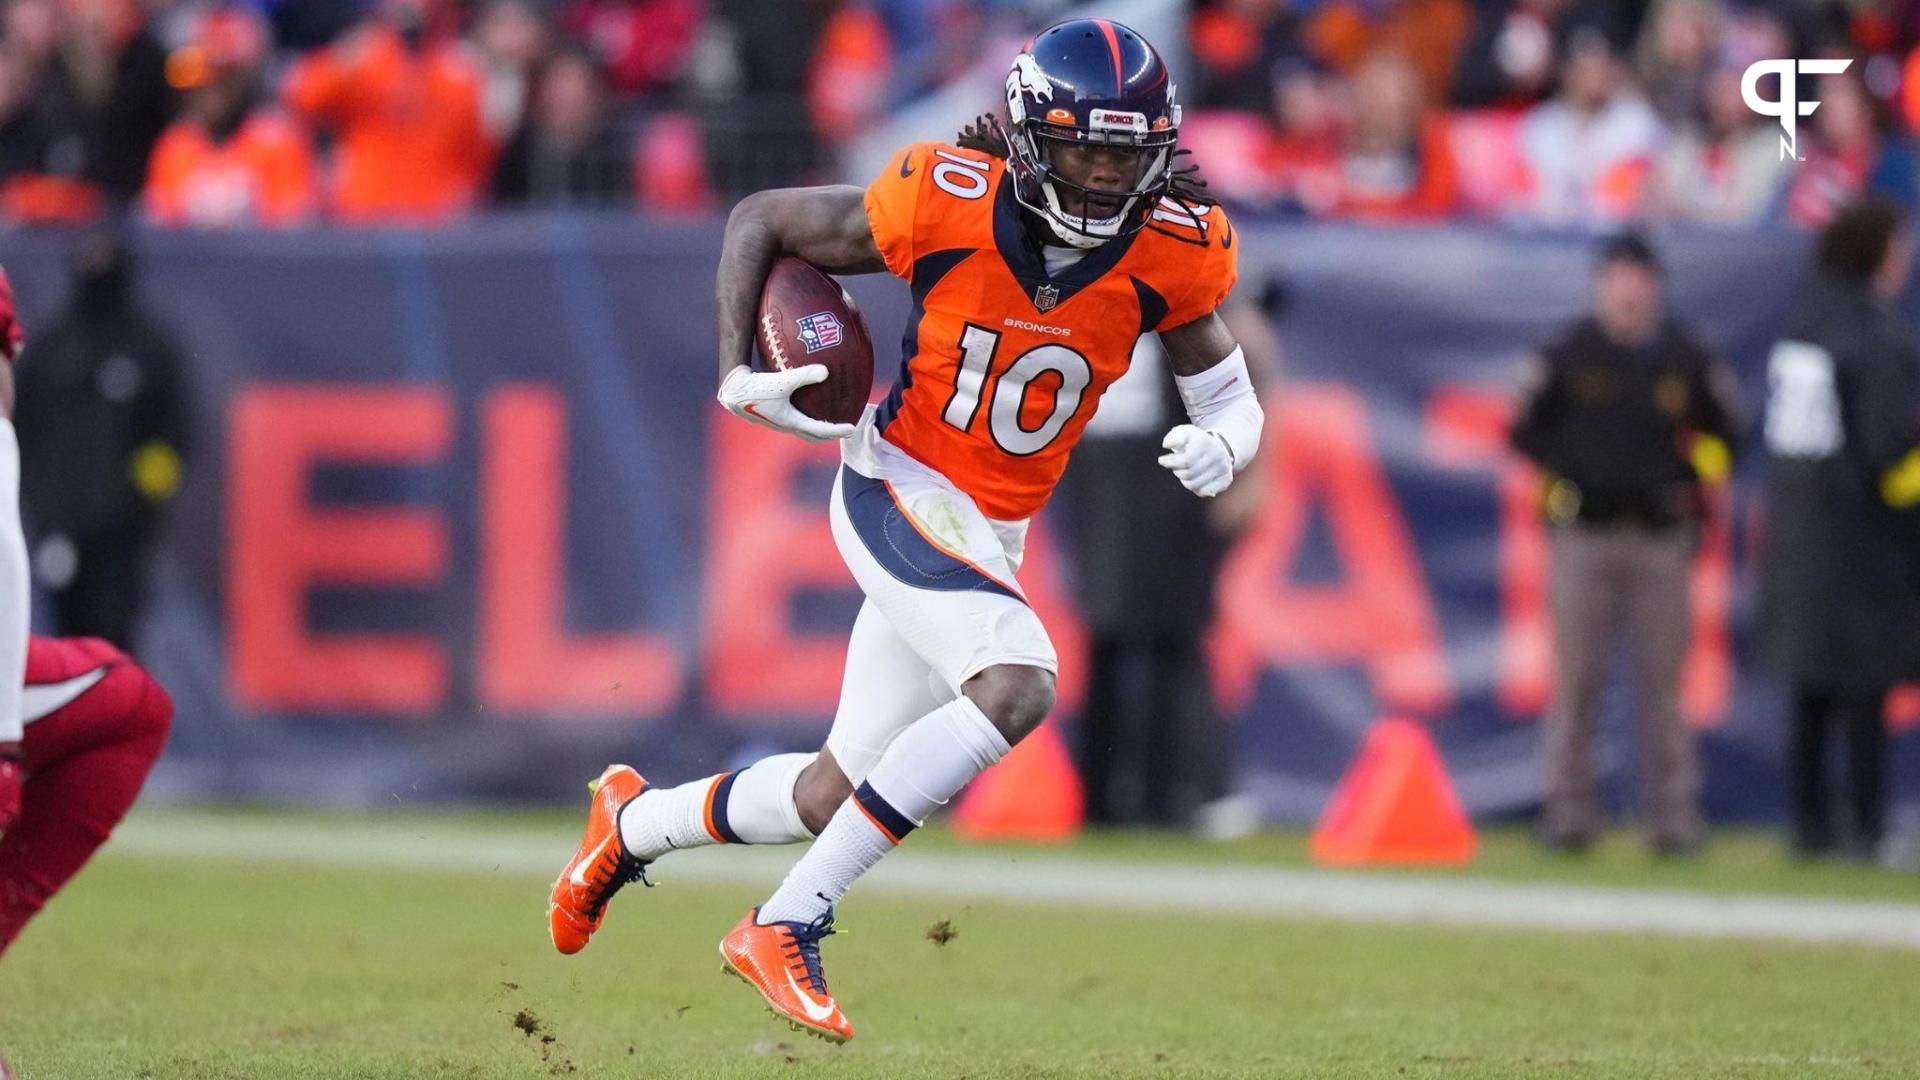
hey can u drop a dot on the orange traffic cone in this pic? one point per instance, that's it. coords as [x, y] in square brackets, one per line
[1033, 794]
[1395, 806]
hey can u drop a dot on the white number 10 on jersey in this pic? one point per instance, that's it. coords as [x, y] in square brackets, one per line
[977, 346]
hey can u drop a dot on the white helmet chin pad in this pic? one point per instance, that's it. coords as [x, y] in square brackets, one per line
[1082, 232]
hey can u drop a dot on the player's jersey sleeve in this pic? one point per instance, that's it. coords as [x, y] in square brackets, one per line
[931, 196]
[893, 207]
[1213, 268]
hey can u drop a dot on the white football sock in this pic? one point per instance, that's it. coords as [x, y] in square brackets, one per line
[923, 768]
[848, 847]
[761, 807]
[752, 806]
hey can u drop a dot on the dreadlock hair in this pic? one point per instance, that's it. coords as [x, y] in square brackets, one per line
[986, 136]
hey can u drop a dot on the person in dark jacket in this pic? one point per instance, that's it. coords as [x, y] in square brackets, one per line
[103, 423]
[1838, 567]
[106, 87]
[567, 153]
[1628, 413]
[25, 133]
[758, 131]
[1151, 746]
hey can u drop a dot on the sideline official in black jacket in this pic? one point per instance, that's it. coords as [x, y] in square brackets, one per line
[1839, 605]
[103, 420]
[1626, 412]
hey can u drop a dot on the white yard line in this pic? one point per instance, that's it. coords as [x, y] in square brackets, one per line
[1028, 876]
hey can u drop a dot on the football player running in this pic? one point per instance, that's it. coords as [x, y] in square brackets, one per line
[1037, 254]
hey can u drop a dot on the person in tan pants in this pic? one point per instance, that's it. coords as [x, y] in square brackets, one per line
[1628, 414]
[1621, 583]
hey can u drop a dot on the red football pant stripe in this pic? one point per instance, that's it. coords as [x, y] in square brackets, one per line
[84, 764]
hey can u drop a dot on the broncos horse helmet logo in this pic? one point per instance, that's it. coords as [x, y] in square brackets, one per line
[1025, 78]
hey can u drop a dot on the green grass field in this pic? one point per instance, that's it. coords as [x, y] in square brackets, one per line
[171, 965]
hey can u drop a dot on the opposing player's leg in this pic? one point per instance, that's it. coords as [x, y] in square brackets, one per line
[942, 575]
[96, 723]
[781, 799]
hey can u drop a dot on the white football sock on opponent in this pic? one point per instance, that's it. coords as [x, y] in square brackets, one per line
[923, 768]
[751, 806]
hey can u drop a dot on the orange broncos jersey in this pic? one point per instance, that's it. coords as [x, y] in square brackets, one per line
[1004, 363]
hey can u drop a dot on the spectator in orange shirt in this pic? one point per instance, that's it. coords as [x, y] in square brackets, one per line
[1389, 159]
[847, 86]
[1236, 44]
[228, 161]
[1429, 33]
[405, 113]
[1397, 162]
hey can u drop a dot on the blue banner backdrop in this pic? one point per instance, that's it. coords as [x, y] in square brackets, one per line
[466, 524]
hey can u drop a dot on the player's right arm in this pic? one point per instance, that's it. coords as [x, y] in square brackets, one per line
[826, 226]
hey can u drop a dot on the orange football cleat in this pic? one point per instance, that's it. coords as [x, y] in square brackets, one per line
[601, 866]
[782, 961]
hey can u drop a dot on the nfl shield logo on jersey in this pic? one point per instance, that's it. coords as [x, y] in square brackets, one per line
[1045, 296]
[821, 331]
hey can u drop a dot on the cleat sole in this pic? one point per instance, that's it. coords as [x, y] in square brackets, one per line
[726, 967]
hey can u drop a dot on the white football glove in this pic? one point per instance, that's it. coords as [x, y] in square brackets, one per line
[1199, 459]
[761, 397]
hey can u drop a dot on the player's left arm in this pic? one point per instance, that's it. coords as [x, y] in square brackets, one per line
[1224, 414]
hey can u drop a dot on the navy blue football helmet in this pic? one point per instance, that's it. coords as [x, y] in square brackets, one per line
[1090, 81]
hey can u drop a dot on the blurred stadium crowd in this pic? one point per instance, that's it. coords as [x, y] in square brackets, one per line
[1563, 113]
[281, 111]
[1585, 113]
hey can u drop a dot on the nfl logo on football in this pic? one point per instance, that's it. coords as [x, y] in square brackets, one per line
[819, 331]
[1045, 296]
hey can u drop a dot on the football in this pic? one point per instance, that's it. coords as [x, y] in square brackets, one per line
[807, 318]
